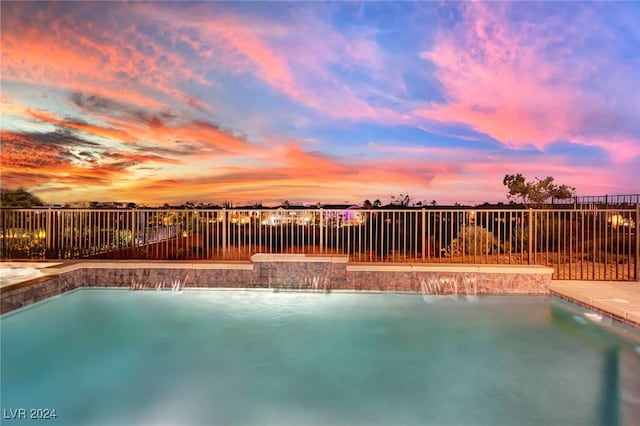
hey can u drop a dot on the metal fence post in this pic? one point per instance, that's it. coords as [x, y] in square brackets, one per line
[321, 232]
[422, 231]
[224, 233]
[530, 242]
[133, 228]
[3, 250]
[637, 227]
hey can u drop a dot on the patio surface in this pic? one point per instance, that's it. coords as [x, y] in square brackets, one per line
[620, 300]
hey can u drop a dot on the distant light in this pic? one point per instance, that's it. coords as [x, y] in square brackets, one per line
[618, 220]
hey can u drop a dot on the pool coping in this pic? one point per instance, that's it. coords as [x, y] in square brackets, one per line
[617, 300]
[452, 268]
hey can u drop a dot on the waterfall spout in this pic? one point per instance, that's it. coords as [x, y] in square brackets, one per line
[470, 284]
[316, 281]
[450, 284]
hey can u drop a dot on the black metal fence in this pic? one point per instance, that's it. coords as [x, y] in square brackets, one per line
[586, 244]
[598, 201]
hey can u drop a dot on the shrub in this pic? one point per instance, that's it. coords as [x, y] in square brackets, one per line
[452, 250]
[475, 240]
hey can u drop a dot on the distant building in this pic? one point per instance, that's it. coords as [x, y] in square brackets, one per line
[77, 205]
[112, 205]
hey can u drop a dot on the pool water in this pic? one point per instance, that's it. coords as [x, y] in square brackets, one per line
[116, 357]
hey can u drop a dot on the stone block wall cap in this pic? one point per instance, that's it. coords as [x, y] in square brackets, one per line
[238, 266]
[515, 269]
[24, 284]
[294, 257]
[277, 257]
[435, 267]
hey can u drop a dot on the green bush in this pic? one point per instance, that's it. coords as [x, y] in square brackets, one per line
[475, 240]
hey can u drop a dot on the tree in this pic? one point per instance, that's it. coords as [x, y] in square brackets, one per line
[18, 198]
[377, 203]
[535, 192]
[367, 205]
[402, 200]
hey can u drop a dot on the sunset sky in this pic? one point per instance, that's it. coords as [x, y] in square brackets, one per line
[317, 102]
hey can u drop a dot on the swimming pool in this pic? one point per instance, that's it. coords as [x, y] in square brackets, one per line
[114, 357]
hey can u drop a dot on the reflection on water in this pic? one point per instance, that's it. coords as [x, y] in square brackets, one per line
[619, 394]
[254, 358]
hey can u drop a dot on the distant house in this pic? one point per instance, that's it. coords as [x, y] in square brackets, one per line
[112, 205]
[77, 205]
[343, 214]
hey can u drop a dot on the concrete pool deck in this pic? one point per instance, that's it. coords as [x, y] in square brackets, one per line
[15, 272]
[620, 300]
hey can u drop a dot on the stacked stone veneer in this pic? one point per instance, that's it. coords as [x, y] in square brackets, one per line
[450, 283]
[295, 272]
[24, 294]
[300, 272]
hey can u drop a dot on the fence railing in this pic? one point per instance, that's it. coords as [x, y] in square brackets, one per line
[615, 201]
[597, 244]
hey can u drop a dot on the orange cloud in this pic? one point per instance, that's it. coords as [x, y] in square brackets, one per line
[47, 160]
[129, 127]
[41, 48]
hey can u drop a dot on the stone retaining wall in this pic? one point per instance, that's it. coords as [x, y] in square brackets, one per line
[298, 272]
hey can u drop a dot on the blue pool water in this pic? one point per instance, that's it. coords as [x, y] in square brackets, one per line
[115, 357]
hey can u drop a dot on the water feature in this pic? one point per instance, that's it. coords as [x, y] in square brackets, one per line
[434, 285]
[175, 285]
[470, 282]
[450, 284]
[455, 285]
[314, 282]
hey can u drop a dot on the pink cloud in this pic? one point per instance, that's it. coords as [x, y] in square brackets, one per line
[504, 79]
[479, 173]
[273, 68]
[294, 58]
